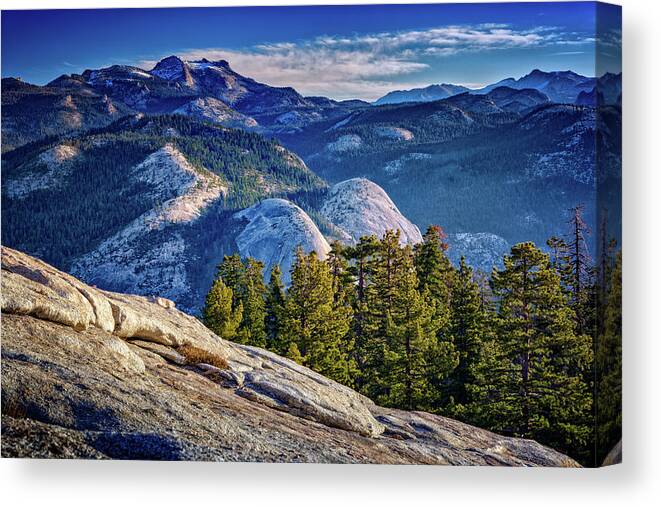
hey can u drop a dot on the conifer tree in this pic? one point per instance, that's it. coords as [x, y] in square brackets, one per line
[360, 268]
[254, 304]
[534, 387]
[436, 276]
[313, 322]
[294, 354]
[467, 329]
[404, 347]
[233, 272]
[339, 269]
[433, 268]
[608, 358]
[245, 278]
[559, 257]
[579, 266]
[486, 294]
[275, 306]
[218, 313]
[343, 303]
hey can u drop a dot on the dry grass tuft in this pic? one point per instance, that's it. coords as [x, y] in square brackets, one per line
[14, 408]
[195, 355]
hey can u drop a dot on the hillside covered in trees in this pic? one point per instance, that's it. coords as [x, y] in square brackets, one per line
[95, 193]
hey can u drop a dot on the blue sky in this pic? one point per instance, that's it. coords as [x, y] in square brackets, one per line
[336, 51]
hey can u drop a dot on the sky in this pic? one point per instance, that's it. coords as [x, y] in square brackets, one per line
[336, 51]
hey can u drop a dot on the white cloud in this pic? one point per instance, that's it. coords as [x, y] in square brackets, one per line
[365, 65]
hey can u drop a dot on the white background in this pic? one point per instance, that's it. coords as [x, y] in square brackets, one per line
[636, 482]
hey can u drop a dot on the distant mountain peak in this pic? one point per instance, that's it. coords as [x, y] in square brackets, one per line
[562, 86]
[219, 63]
[171, 67]
[427, 94]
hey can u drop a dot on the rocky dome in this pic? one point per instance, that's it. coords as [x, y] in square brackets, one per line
[362, 208]
[274, 228]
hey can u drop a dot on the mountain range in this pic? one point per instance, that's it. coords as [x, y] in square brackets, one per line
[559, 86]
[428, 94]
[141, 180]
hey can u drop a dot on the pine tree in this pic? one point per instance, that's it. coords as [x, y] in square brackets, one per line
[436, 277]
[608, 359]
[294, 354]
[433, 268]
[559, 256]
[361, 268]
[343, 303]
[233, 272]
[404, 353]
[535, 387]
[218, 313]
[275, 306]
[254, 304]
[579, 265]
[245, 278]
[467, 329]
[313, 322]
[339, 269]
[486, 294]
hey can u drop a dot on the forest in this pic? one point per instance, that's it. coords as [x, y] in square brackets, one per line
[99, 195]
[532, 350]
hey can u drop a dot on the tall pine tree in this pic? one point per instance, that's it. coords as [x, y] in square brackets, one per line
[275, 307]
[313, 325]
[608, 359]
[245, 278]
[535, 387]
[403, 326]
[579, 267]
[467, 329]
[361, 269]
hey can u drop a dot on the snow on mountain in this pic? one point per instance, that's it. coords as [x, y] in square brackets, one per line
[362, 208]
[273, 229]
[282, 106]
[169, 68]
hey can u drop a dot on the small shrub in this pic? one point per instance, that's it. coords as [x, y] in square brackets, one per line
[195, 355]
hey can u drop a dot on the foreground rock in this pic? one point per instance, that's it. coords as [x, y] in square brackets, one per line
[93, 374]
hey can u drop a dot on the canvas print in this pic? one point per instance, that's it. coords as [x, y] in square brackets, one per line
[343, 234]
